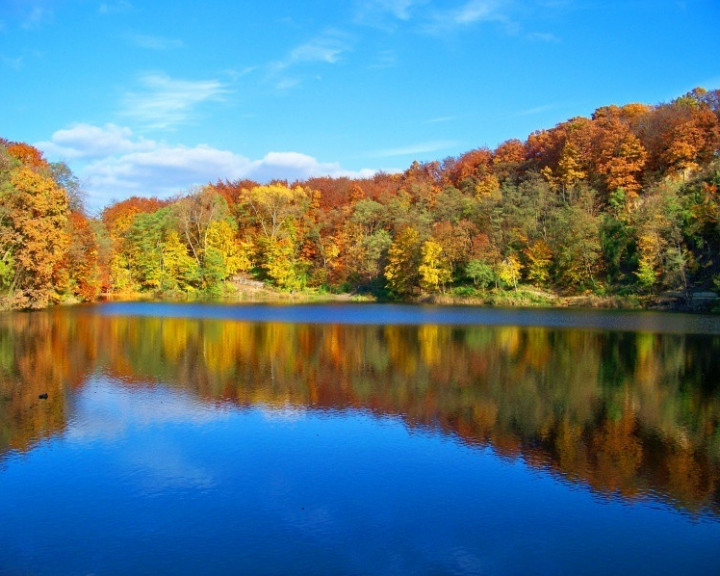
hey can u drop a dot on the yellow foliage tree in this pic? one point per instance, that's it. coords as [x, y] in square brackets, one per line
[539, 256]
[38, 210]
[222, 235]
[488, 186]
[404, 256]
[280, 263]
[509, 271]
[275, 207]
[180, 269]
[435, 270]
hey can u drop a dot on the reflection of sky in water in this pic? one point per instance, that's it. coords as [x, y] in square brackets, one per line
[285, 413]
[622, 320]
[141, 419]
[105, 409]
[107, 412]
[152, 480]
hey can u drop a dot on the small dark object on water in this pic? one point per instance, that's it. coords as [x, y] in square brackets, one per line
[43, 396]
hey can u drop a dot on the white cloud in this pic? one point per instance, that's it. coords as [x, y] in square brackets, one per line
[113, 164]
[164, 102]
[162, 171]
[297, 166]
[85, 141]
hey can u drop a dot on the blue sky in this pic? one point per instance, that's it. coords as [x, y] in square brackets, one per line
[145, 97]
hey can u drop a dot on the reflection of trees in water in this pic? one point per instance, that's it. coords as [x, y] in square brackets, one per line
[626, 413]
[33, 362]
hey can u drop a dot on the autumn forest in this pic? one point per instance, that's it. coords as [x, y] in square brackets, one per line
[623, 204]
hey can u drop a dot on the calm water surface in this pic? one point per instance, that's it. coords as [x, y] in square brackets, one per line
[199, 439]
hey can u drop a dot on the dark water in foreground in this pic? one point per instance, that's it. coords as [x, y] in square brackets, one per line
[358, 440]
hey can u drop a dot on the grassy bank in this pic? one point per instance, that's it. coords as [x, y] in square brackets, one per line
[523, 297]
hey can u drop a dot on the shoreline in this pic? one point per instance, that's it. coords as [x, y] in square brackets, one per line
[700, 302]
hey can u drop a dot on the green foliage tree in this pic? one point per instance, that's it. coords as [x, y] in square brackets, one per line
[576, 245]
[481, 273]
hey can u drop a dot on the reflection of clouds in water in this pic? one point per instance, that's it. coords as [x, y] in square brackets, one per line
[165, 467]
[286, 413]
[105, 410]
[468, 563]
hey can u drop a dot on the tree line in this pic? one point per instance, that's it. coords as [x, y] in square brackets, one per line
[624, 202]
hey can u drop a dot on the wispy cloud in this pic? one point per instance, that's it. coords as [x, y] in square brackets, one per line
[470, 13]
[478, 11]
[535, 110]
[441, 119]
[115, 7]
[385, 13]
[235, 74]
[326, 48]
[151, 42]
[113, 164]
[24, 14]
[36, 15]
[412, 149]
[322, 50]
[165, 103]
[384, 59]
[14, 63]
[543, 37]
[287, 83]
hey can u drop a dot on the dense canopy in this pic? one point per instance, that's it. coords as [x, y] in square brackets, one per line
[624, 202]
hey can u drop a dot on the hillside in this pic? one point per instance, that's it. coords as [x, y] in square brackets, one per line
[621, 204]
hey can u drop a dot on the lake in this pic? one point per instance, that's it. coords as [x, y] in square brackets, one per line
[358, 439]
